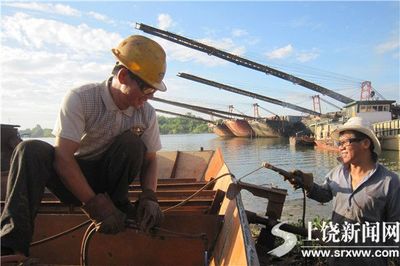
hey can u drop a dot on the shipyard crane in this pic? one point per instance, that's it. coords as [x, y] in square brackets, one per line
[247, 93]
[186, 116]
[331, 104]
[241, 61]
[317, 104]
[368, 93]
[205, 110]
[232, 108]
[256, 106]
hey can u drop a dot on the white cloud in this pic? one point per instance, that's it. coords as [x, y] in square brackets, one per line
[239, 32]
[34, 33]
[307, 56]
[58, 9]
[100, 17]
[34, 82]
[41, 59]
[388, 46]
[164, 21]
[288, 50]
[280, 52]
[46, 7]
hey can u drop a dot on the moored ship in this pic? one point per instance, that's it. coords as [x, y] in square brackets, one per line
[221, 130]
[240, 128]
[378, 112]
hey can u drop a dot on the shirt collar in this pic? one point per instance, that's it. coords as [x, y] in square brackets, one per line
[346, 172]
[108, 100]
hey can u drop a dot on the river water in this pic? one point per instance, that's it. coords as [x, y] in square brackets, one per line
[243, 155]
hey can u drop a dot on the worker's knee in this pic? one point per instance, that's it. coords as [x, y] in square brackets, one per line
[35, 149]
[131, 144]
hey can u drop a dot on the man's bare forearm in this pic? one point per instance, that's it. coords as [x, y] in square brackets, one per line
[73, 178]
[69, 171]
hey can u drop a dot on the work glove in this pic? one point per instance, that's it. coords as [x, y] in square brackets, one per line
[106, 217]
[148, 213]
[302, 180]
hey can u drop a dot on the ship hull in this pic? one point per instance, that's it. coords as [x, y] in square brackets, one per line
[222, 130]
[240, 128]
[303, 141]
[326, 145]
[266, 129]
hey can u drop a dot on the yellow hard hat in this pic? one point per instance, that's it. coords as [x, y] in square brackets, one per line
[143, 57]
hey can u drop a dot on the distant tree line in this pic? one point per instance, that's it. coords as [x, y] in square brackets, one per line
[168, 125]
[36, 132]
[181, 125]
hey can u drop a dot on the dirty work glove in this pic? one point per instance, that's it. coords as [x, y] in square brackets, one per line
[107, 218]
[148, 212]
[302, 180]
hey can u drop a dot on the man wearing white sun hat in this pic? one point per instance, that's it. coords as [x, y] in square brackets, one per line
[363, 190]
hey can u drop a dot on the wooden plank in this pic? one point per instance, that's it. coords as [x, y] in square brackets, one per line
[234, 246]
[181, 245]
[163, 202]
[216, 204]
[161, 195]
[193, 164]
[179, 186]
[55, 207]
[215, 165]
[175, 250]
[173, 173]
[166, 163]
[170, 181]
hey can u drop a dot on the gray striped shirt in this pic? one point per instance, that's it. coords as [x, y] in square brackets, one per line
[90, 117]
[376, 199]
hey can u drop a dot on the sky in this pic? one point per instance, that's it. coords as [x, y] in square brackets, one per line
[48, 48]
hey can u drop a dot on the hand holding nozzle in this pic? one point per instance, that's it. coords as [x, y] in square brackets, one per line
[297, 178]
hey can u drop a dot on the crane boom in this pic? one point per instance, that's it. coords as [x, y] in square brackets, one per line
[265, 109]
[209, 111]
[241, 61]
[325, 101]
[187, 116]
[246, 93]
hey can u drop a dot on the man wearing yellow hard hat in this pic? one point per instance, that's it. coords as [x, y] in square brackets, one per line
[106, 135]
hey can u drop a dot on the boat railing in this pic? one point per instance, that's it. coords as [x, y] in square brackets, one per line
[387, 128]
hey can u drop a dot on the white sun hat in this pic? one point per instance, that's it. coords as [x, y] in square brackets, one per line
[361, 125]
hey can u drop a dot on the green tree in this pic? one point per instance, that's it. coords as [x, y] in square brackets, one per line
[181, 125]
[37, 132]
